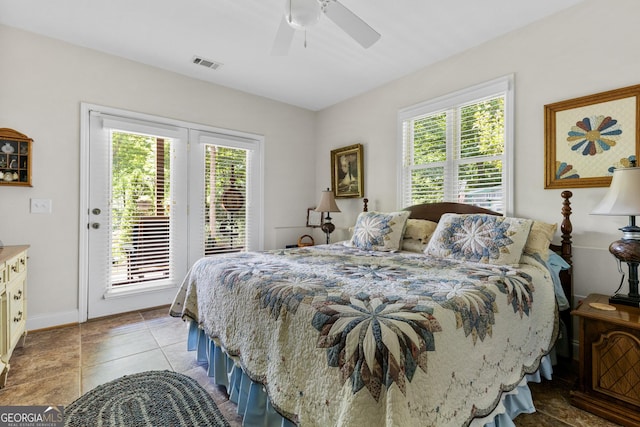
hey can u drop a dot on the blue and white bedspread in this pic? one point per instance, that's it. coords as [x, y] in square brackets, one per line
[345, 337]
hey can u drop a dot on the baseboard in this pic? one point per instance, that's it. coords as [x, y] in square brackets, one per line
[51, 320]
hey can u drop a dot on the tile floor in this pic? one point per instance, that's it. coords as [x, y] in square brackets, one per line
[54, 367]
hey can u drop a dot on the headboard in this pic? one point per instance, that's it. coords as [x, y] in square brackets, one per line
[433, 212]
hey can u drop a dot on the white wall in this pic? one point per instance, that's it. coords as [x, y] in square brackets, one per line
[587, 49]
[43, 82]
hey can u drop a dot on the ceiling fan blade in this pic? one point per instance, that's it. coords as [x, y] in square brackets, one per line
[283, 39]
[351, 24]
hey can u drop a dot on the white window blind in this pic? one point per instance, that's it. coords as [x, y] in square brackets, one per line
[228, 215]
[140, 208]
[458, 148]
[225, 205]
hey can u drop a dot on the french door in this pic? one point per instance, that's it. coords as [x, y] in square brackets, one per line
[158, 194]
[137, 213]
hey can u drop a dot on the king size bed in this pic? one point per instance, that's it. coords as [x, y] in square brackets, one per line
[436, 315]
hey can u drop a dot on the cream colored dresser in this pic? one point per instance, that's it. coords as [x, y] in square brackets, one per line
[13, 303]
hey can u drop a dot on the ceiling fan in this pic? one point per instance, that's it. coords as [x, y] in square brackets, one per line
[301, 14]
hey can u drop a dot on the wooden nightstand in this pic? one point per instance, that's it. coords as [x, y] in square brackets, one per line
[609, 383]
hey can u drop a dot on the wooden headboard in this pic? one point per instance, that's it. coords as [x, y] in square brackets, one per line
[433, 212]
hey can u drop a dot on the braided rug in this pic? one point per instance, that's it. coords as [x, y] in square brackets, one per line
[153, 398]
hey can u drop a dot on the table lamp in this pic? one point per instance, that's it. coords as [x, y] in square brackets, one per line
[327, 204]
[623, 198]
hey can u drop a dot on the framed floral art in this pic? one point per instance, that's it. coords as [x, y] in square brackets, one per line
[587, 138]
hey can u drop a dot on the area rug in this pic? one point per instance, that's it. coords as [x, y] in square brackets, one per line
[153, 398]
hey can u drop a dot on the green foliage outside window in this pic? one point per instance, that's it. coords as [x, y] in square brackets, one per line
[475, 133]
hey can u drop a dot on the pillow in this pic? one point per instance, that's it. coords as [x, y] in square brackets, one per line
[413, 245]
[419, 229]
[377, 231]
[483, 238]
[540, 238]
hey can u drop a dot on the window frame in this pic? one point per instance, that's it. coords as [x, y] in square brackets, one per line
[499, 86]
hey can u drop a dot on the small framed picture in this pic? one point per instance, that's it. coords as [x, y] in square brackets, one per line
[314, 219]
[347, 171]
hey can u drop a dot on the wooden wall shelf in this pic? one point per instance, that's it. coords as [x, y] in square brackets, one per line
[15, 158]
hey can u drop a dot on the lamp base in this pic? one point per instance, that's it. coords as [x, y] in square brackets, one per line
[633, 301]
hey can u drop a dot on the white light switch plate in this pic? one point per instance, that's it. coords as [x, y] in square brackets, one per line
[40, 206]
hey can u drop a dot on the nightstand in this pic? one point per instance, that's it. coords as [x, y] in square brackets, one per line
[609, 382]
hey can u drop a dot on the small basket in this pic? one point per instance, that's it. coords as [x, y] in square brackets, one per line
[309, 241]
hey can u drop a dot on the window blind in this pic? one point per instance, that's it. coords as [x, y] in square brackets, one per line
[226, 223]
[140, 208]
[227, 201]
[456, 150]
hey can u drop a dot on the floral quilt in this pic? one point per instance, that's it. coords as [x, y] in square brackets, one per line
[345, 337]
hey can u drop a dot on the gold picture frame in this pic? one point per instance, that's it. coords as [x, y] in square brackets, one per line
[587, 138]
[347, 171]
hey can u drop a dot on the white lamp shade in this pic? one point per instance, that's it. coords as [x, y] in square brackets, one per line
[623, 197]
[327, 202]
[301, 14]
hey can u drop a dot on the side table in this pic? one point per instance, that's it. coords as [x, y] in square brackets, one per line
[609, 373]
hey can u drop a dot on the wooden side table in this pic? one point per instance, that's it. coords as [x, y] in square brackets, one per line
[609, 381]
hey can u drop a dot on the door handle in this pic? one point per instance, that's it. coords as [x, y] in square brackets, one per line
[95, 225]
[96, 211]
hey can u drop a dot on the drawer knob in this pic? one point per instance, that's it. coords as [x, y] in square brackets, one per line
[18, 318]
[14, 268]
[18, 295]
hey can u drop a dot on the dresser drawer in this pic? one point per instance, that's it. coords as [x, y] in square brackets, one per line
[16, 299]
[16, 265]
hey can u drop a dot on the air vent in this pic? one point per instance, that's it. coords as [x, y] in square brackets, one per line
[206, 62]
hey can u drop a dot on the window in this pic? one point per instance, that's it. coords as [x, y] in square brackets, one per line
[458, 148]
[140, 215]
[228, 215]
[225, 203]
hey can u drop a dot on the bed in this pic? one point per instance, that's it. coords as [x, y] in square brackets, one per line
[366, 333]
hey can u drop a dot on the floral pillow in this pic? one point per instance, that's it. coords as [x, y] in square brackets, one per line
[487, 239]
[378, 231]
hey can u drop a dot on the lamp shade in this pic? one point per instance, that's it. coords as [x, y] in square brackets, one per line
[327, 202]
[623, 197]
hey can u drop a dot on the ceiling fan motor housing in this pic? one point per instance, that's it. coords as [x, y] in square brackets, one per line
[302, 14]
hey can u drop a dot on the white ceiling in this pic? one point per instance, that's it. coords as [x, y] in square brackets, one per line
[240, 33]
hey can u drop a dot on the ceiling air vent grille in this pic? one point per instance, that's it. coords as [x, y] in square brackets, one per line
[206, 62]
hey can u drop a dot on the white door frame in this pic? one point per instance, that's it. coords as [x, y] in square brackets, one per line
[83, 244]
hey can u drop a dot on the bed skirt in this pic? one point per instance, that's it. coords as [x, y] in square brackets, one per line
[256, 410]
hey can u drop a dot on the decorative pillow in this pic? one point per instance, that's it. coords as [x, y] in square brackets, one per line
[419, 229]
[540, 238]
[487, 239]
[413, 245]
[377, 231]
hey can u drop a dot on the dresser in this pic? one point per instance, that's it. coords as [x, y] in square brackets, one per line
[13, 303]
[609, 377]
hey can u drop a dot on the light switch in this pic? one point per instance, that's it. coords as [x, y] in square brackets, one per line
[40, 206]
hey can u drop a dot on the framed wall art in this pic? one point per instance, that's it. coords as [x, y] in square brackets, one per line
[347, 171]
[587, 138]
[314, 219]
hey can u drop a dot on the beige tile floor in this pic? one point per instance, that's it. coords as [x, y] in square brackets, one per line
[54, 367]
